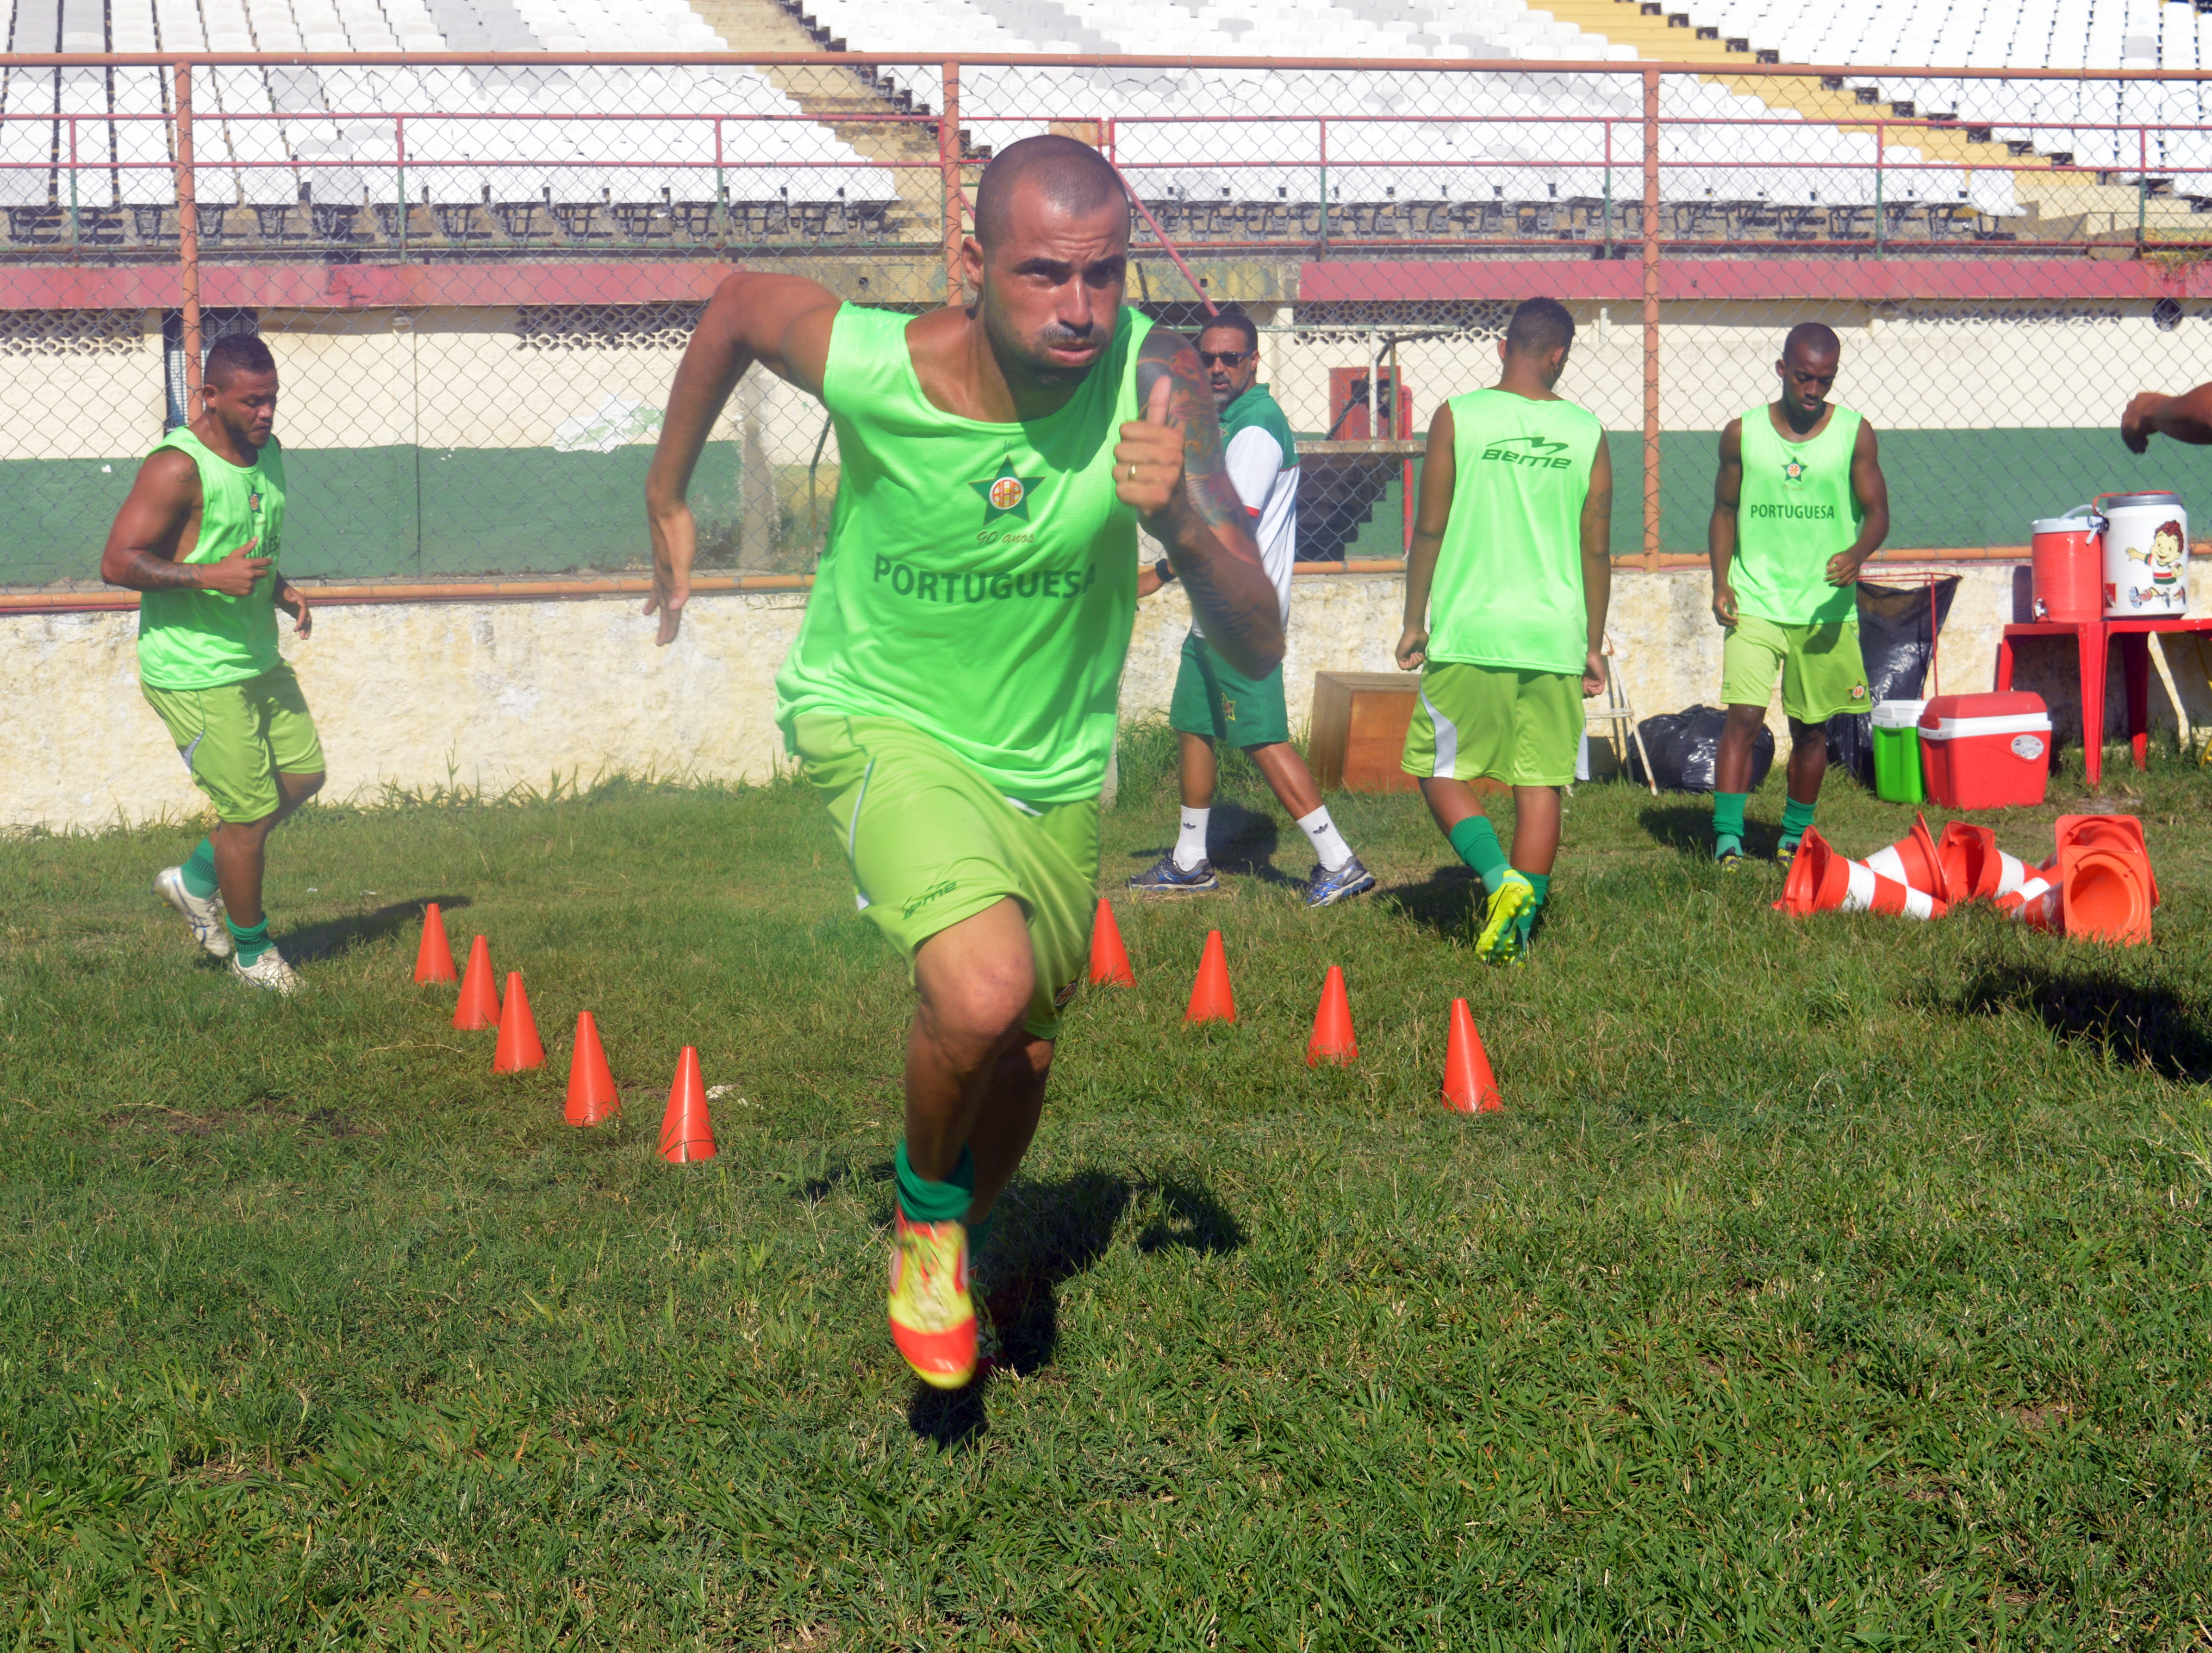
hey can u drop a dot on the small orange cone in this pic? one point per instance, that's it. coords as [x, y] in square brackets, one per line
[479, 1006]
[591, 1093]
[686, 1131]
[2105, 895]
[1109, 959]
[1913, 860]
[434, 959]
[1333, 1039]
[517, 1032]
[1469, 1086]
[1211, 1000]
[2122, 833]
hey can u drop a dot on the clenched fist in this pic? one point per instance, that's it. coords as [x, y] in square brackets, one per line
[1148, 460]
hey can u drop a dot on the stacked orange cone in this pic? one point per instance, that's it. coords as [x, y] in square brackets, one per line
[1821, 881]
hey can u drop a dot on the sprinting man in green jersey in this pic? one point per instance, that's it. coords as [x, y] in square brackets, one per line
[1798, 506]
[200, 535]
[952, 694]
[1511, 552]
[1212, 701]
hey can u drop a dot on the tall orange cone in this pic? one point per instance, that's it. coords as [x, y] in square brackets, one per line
[591, 1093]
[479, 1006]
[1211, 1000]
[1333, 1040]
[1109, 959]
[2122, 833]
[1469, 1086]
[1913, 860]
[686, 1132]
[434, 959]
[518, 1031]
[2105, 895]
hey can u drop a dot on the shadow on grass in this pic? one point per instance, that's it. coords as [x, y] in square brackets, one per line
[334, 936]
[1443, 902]
[1049, 1233]
[2133, 1024]
[1239, 841]
[1688, 828]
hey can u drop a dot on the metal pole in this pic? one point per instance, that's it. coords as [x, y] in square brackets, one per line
[948, 163]
[1651, 321]
[1878, 147]
[188, 237]
[1324, 188]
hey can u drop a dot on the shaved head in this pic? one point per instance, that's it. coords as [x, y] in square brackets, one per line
[1073, 176]
[1814, 339]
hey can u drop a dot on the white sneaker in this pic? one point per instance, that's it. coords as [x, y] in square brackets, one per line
[203, 913]
[271, 973]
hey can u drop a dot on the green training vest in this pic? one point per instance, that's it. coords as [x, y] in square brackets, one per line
[1795, 511]
[1508, 583]
[980, 579]
[204, 639]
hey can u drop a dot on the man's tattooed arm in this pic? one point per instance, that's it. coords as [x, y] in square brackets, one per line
[1205, 527]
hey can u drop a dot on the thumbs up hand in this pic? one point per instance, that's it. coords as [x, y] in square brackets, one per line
[1148, 460]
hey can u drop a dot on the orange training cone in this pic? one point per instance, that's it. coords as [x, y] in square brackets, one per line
[1974, 868]
[434, 959]
[2105, 895]
[1912, 860]
[686, 1131]
[591, 1093]
[1109, 959]
[1469, 1086]
[2035, 904]
[1333, 1039]
[1821, 881]
[517, 1032]
[1211, 1000]
[479, 1006]
[2122, 833]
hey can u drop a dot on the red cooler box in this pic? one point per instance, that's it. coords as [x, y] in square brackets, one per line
[1985, 751]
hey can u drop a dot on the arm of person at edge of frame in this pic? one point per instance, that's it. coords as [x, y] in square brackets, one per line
[1720, 532]
[2185, 418]
[1439, 471]
[1871, 489]
[1190, 505]
[140, 553]
[1597, 565]
[781, 322]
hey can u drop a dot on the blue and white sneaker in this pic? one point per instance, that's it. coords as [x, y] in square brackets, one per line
[1165, 878]
[1349, 880]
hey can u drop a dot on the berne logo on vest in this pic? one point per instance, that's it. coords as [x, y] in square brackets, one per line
[1544, 455]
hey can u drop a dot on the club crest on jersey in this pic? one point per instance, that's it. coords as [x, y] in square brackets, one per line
[253, 500]
[1793, 471]
[1006, 495]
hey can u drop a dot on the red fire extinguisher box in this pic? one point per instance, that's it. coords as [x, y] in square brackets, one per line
[1985, 751]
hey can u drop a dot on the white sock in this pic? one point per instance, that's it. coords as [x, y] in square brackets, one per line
[1329, 846]
[1190, 843]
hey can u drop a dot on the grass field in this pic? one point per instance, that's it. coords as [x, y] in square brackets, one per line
[1835, 1284]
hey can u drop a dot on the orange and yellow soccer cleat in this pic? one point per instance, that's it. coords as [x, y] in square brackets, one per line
[932, 1317]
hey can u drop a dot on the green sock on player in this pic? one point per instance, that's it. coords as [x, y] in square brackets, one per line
[924, 1201]
[1474, 840]
[1795, 818]
[250, 943]
[979, 1234]
[1541, 884]
[199, 871]
[1728, 823]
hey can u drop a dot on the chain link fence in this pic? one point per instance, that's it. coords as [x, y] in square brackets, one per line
[478, 274]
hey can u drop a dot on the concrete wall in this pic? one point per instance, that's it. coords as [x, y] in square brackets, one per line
[497, 694]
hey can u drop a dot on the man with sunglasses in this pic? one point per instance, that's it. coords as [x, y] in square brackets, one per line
[1213, 701]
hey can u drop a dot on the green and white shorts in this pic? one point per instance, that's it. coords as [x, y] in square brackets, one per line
[1495, 723]
[931, 842]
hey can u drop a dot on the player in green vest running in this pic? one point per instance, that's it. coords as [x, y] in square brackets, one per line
[1511, 551]
[1798, 506]
[951, 693]
[200, 534]
[1213, 702]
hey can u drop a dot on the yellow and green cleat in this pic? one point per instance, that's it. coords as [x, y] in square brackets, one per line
[1508, 922]
[932, 1316]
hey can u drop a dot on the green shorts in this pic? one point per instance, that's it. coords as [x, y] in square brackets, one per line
[1495, 723]
[1822, 671]
[931, 842]
[237, 739]
[1213, 698]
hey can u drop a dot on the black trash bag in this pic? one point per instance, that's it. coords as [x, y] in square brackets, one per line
[1898, 626]
[1684, 745]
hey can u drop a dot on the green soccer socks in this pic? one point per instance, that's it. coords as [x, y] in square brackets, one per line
[248, 944]
[1728, 823]
[199, 871]
[1795, 818]
[924, 1201]
[1474, 840]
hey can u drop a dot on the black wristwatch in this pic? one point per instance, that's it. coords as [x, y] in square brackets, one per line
[1163, 571]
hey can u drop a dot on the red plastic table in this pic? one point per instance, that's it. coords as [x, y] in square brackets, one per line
[2093, 640]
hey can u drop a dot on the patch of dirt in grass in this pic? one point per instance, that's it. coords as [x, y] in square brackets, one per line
[2042, 1416]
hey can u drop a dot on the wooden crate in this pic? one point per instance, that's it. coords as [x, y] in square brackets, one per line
[1359, 721]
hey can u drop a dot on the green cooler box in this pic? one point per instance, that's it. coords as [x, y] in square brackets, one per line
[1896, 751]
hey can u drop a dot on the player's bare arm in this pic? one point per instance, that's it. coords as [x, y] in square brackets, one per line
[1720, 532]
[1439, 472]
[1596, 530]
[1871, 489]
[1172, 467]
[150, 530]
[2185, 418]
[781, 322]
